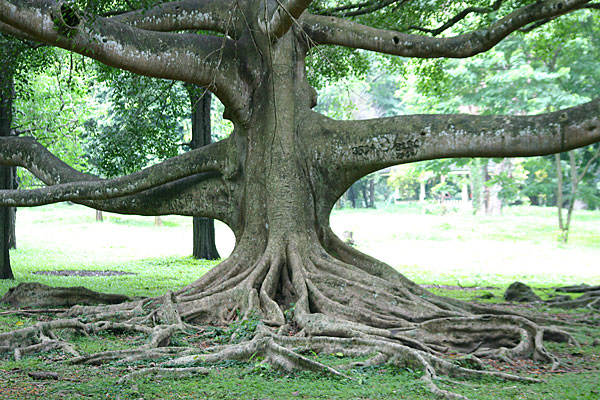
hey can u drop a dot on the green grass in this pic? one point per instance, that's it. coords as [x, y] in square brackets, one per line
[452, 249]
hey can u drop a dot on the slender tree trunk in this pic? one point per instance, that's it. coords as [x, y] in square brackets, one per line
[158, 221]
[372, 193]
[559, 197]
[7, 216]
[574, 187]
[421, 191]
[12, 212]
[365, 195]
[479, 174]
[352, 195]
[493, 206]
[99, 217]
[204, 241]
[464, 195]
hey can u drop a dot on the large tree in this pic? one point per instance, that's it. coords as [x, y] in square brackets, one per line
[275, 180]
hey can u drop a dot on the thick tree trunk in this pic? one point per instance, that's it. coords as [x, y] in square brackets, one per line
[7, 214]
[204, 240]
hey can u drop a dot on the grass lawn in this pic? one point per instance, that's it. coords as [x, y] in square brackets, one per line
[456, 249]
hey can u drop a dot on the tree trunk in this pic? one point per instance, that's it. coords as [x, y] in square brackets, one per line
[7, 214]
[559, 198]
[99, 217]
[493, 206]
[372, 193]
[204, 241]
[12, 221]
[421, 192]
[158, 221]
[478, 174]
[352, 195]
[464, 195]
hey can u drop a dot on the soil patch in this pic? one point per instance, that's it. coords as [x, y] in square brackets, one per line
[83, 273]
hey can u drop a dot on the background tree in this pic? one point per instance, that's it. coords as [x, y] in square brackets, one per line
[7, 222]
[17, 60]
[275, 180]
[204, 242]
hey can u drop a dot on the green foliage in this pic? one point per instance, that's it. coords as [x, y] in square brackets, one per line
[405, 180]
[511, 181]
[242, 329]
[140, 122]
[56, 114]
[329, 64]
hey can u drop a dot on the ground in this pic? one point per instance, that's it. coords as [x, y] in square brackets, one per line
[157, 274]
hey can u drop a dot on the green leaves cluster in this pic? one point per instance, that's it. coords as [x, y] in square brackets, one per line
[139, 121]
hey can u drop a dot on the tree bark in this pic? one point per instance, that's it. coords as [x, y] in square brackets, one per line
[204, 240]
[7, 214]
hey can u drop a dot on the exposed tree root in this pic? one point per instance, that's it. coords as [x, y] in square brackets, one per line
[308, 302]
[590, 298]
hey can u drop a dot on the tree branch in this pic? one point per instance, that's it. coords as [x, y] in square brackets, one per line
[204, 195]
[360, 8]
[201, 59]
[27, 153]
[458, 17]
[284, 16]
[10, 31]
[336, 31]
[357, 148]
[211, 15]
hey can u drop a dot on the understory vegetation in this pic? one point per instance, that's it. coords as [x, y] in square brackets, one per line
[467, 267]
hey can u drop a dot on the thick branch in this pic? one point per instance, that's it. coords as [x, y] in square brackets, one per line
[204, 60]
[357, 148]
[11, 31]
[205, 195]
[286, 13]
[25, 152]
[336, 31]
[211, 15]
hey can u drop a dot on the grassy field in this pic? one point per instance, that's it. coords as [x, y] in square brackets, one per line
[456, 249]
